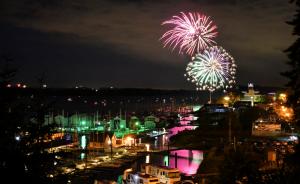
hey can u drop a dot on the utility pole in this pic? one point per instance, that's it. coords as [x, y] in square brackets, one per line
[168, 150]
[111, 144]
[229, 128]
[234, 143]
[111, 151]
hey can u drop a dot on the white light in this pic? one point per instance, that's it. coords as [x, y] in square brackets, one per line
[293, 138]
[17, 138]
[147, 159]
[164, 130]
[147, 147]
[109, 142]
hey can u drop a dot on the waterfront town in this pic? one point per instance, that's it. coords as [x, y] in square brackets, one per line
[149, 92]
[106, 136]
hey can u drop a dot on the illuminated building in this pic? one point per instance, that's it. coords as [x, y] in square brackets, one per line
[251, 95]
[102, 140]
[150, 122]
[134, 123]
[117, 123]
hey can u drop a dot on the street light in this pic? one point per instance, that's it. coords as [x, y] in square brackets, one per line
[226, 98]
[17, 138]
[283, 97]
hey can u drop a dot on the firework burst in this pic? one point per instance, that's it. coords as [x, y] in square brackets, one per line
[213, 69]
[192, 33]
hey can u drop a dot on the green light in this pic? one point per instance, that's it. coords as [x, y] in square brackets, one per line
[137, 123]
[121, 126]
[83, 122]
[166, 160]
[83, 142]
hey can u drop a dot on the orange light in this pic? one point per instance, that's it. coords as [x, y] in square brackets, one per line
[227, 98]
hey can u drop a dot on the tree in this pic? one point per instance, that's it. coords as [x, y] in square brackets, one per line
[240, 165]
[291, 167]
[11, 116]
[22, 128]
[293, 53]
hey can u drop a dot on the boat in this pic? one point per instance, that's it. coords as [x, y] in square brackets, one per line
[164, 174]
[139, 178]
[152, 174]
[155, 133]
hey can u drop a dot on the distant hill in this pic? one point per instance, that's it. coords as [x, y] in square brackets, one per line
[261, 89]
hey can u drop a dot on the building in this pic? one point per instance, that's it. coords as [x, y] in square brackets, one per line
[103, 140]
[117, 124]
[134, 123]
[251, 95]
[150, 122]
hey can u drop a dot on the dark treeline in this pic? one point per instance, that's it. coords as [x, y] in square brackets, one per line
[108, 92]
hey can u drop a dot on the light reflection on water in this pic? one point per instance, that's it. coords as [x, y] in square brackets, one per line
[184, 125]
[188, 161]
[176, 130]
[82, 156]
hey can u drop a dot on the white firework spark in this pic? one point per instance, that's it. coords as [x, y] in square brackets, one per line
[213, 69]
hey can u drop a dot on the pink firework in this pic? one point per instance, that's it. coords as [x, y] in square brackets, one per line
[192, 33]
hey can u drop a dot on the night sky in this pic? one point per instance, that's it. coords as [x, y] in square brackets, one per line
[102, 43]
